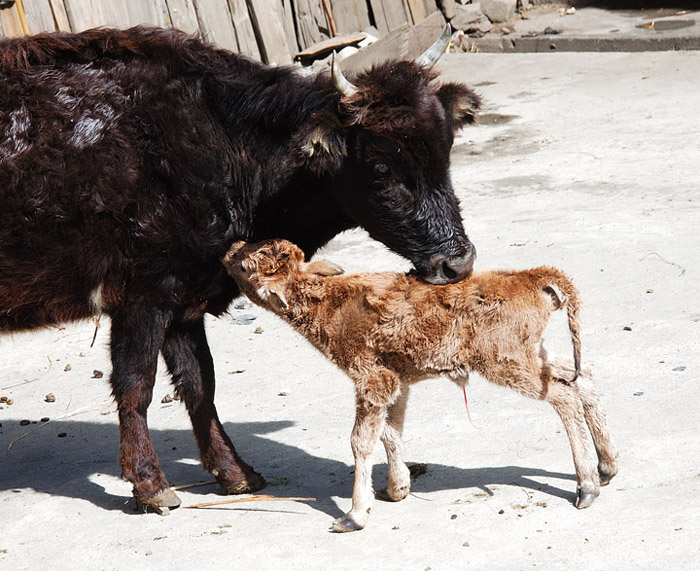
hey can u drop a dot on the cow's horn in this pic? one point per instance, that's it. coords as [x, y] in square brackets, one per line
[430, 56]
[344, 87]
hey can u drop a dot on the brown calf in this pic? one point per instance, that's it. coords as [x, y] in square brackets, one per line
[388, 331]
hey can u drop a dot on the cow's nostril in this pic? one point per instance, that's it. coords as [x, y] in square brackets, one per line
[447, 270]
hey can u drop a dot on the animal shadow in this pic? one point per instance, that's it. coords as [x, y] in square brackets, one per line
[63, 457]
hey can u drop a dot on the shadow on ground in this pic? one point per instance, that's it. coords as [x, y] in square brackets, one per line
[67, 465]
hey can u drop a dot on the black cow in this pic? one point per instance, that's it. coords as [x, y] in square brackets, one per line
[131, 160]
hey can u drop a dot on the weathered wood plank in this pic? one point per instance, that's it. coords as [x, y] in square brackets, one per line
[421, 9]
[350, 15]
[39, 16]
[85, 14]
[11, 25]
[389, 15]
[268, 21]
[60, 15]
[289, 25]
[215, 23]
[312, 23]
[243, 26]
[183, 15]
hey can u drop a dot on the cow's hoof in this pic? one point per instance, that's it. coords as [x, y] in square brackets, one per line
[161, 503]
[345, 524]
[584, 499]
[250, 483]
[395, 495]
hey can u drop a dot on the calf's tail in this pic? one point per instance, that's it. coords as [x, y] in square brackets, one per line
[571, 299]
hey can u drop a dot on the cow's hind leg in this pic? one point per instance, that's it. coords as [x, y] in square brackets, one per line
[186, 353]
[136, 338]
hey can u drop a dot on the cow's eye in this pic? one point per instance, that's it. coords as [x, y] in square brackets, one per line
[381, 169]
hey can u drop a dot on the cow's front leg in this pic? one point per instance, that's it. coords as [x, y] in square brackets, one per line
[136, 338]
[186, 353]
[399, 476]
[369, 423]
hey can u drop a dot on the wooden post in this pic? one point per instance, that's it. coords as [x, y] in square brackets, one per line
[268, 22]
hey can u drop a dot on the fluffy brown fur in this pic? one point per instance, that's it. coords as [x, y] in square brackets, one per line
[388, 331]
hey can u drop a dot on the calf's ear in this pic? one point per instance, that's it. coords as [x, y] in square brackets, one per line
[274, 297]
[323, 268]
[320, 143]
[461, 104]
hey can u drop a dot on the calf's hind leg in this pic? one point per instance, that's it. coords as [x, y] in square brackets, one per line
[533, 378]
[399, 476]
[593, 411]
[186, 353]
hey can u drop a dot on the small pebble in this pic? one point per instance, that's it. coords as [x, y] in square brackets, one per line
[681, 368]
[6, 400]
[627, 328]
[501, 512]
[62, 435]
[24, 422]
[639, 393]
[45, 419]
[67, 368]
[453, 516]
[258, 330]
[96, 374]
[50, 398]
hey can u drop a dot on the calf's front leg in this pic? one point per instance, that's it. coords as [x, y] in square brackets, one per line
[369, 423]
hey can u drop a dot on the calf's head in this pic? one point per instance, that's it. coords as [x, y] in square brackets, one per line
[265, 270]
[387, 151]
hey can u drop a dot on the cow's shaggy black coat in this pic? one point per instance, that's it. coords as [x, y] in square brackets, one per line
[131, 160]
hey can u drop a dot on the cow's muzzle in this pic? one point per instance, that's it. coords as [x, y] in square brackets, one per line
[446, 269]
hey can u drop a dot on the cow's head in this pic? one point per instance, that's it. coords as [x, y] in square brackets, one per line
[264, 270]
[388, 153]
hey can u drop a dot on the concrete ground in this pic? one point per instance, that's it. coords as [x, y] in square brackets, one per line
[589, 162]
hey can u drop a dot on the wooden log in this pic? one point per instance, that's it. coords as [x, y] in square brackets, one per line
[183, 15]
[60, 15]
[391, 15]
[350, 15]
[403, 43]
[395, 45]
[268, 21]
[215, 23]
[243, 26]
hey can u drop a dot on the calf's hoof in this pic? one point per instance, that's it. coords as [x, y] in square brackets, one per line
[606, 473]
[585, 497]
[161, 503]
[345, 524]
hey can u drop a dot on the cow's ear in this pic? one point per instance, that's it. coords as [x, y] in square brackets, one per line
[461, 104]
[323, 268]
[321, 144]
